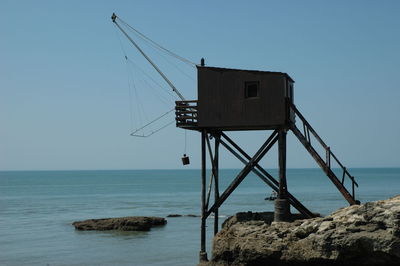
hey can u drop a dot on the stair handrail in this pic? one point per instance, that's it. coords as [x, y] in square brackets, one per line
[323, 144]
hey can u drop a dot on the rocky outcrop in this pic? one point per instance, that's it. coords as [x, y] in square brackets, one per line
[367, 234]
[174, 215]
[135, 223]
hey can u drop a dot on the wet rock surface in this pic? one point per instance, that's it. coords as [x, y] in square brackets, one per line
[133, 223]
[367, 234]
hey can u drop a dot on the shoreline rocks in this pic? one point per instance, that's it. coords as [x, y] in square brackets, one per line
[133, 223]
[174, 215]
[367, 234]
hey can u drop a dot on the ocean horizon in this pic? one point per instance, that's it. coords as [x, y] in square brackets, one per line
[37, 209]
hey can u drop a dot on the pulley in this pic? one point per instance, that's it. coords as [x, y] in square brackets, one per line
[185, 160]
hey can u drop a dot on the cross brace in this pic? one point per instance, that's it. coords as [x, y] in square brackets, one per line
[246, 170]
[264, 175]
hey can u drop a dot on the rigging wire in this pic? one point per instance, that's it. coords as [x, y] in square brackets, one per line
[140, 112]
[152, 79]
[174, 65]
[187, 61]
[130, 102]
[135, 133]
[161, 97]
[184, 150]
[139, 104]
[114, 17]
[158, 50]
[129, 84]
[161, 128]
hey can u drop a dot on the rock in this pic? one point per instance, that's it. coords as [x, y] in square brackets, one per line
[174, 215]
[134, 223]
[180, 215]
[367, 234]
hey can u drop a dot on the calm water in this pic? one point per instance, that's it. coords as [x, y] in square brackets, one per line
[37, 209]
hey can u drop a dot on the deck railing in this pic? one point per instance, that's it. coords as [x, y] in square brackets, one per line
[186, 113]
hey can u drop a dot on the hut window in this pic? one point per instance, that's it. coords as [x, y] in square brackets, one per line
[251, 89]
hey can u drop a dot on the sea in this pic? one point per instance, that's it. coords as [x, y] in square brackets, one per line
[37, 209]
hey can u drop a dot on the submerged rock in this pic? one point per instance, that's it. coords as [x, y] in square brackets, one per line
[134, 223]
[174, 215]
[181, 215]
[367, 234]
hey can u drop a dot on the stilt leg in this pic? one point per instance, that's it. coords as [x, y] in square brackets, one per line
[216, 175]
[282, 206]
[282, 165]
[203, 253]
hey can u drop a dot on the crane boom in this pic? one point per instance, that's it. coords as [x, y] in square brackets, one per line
[174, 89]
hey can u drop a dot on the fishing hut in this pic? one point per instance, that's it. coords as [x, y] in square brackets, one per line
[233, 100]
[245, 100]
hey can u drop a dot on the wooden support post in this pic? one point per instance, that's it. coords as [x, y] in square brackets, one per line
[282, 205]
[282, 165]
[203, 253]
[212, 172]
[217, 138]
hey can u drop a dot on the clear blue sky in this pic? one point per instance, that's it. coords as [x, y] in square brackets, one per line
[64, 97]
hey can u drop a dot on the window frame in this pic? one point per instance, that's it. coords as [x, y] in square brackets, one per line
[247, 84]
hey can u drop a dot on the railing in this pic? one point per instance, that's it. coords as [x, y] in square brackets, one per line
[186, 113]
[307, 129]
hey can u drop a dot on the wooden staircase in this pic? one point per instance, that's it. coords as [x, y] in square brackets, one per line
[305, 139]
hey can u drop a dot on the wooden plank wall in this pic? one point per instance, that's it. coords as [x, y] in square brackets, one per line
[222, 103]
